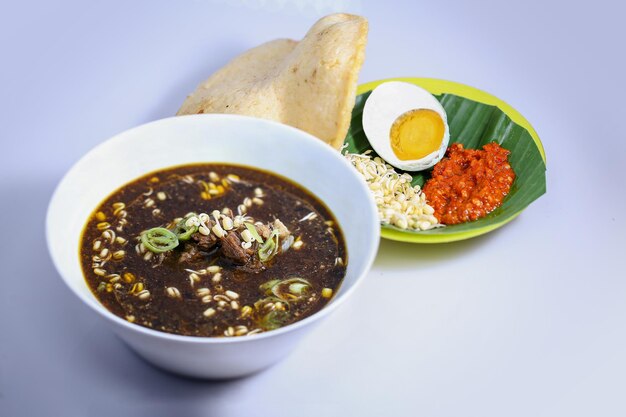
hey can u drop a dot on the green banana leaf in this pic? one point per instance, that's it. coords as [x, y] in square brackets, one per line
[473, 124]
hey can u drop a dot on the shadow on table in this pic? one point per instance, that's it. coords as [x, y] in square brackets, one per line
[401, 255]
[155, 392]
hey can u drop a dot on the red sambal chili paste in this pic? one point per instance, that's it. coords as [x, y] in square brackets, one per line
[469, 183]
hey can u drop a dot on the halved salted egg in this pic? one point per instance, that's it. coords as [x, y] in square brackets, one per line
[406, 126]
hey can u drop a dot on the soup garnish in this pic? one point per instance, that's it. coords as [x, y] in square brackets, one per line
[213, 250]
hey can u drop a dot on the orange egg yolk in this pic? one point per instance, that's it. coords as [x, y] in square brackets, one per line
[416, 134]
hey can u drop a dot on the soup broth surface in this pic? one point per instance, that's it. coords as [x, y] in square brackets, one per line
[231, 281]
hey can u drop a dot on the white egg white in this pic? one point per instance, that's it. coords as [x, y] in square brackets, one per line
[385, 104]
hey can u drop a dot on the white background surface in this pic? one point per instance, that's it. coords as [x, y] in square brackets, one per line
[526, 321]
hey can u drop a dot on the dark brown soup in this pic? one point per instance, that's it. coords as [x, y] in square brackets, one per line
[212, 250]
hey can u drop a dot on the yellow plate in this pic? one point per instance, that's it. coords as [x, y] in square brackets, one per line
[435, 86]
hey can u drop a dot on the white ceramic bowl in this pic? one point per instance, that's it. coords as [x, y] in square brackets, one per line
[212, 138]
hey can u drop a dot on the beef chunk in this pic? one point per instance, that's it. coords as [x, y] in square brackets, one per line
[231, 249]
[191, 254]
[205, 243]
[283, 232]
[264, 230]
[254, 266]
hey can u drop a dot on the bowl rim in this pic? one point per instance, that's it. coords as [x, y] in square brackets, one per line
[306, 138]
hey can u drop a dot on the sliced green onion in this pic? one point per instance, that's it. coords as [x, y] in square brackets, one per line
[298, 288]
[269, 248]
[255, 234]
[159, 240]
[182, 231]
[292, 289]
[266, 288]
[260, 304]
[266, 251]
[274, 319]
[274, 235]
